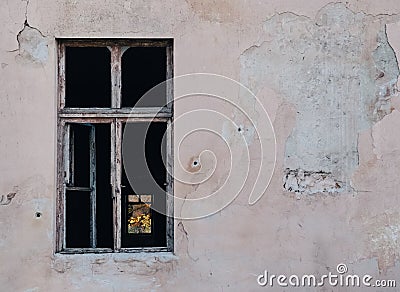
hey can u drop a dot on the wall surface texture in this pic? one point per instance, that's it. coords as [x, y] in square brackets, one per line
[325, 72]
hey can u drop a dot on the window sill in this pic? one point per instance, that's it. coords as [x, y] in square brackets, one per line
[149, 250]
[119, 261]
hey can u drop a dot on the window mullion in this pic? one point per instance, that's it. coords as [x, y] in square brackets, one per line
[116, 55]
[113, 183]
[116, 133]
[93, 227]
[118, 154]
[71, 158]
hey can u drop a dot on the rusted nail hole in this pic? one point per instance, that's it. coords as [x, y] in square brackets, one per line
[195, 163]
[38, 214]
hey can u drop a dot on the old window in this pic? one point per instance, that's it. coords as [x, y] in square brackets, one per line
[101, 84]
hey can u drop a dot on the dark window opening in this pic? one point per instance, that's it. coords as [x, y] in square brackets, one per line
[104, 214]
[148, 190]
[80, 156]
[78, 219]
[142, 69]
[88, 77]
[88, 195]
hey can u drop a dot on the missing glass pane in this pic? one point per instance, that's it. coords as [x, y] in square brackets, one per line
[142, 69]
[78, 219]
[88, 196]
[88, 77]
[144, 198]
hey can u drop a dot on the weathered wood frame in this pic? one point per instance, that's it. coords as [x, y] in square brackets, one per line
[115, 116]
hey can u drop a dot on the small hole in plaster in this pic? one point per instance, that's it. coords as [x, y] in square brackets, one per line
[239, 129]
[38, 214]
[195, 163]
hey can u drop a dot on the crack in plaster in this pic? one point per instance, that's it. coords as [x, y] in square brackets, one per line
[6, 200]
[194, 189]
[32, 43]
[181, 227]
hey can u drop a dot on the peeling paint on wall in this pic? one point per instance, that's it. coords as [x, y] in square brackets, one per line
[340, 73]
[384, 239]
[300, 181]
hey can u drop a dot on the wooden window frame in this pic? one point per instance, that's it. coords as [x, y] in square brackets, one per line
[115, 116]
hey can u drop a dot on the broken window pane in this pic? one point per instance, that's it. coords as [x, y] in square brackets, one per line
[80, 156]
[104, 202]
[142, 69]
[77, 219]
[89, 221]
[144, 189]
[88, 77]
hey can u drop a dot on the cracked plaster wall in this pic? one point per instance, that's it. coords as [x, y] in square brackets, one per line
[308, 64]
[340, 73]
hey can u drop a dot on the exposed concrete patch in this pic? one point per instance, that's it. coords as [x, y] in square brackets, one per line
[33, 46]
[384, 239]
[392, 32]
[340, 73]
[386, 140]
[387, 75]
[300, 181]
[380, 160]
